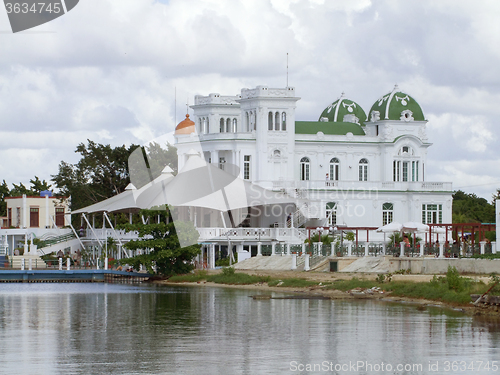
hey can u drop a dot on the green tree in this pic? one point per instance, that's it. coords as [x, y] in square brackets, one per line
[469, 208]
[38, 186]
[4, 193]
[101, 173]
[162, 240]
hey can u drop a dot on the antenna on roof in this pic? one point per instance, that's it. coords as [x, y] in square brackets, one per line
[187, 105]
[287, 69]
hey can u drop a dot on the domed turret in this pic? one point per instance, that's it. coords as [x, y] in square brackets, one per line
[396, 105]
[344, 110]
[186, 126]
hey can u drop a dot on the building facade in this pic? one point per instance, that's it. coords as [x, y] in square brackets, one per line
[353, 169]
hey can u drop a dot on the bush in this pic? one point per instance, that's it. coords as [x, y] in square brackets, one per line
[228, 271]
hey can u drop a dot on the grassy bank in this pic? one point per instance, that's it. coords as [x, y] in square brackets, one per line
[228, 276]
[451, 289]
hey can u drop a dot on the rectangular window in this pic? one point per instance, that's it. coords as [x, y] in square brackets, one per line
[405, 171]
[59, 217]
[9, 217]
[432, 214]
[222, 161]
[34, 217]
[387, 213]
[246, 167]
[363, 172]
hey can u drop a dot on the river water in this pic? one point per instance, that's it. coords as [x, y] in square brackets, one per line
[126, 329]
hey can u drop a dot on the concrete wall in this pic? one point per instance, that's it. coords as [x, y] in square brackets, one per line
[432, 266]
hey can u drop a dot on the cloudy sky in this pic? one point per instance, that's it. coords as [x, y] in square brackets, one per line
[108, 70]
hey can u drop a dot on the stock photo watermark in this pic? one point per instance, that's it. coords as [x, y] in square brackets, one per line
[27, 14]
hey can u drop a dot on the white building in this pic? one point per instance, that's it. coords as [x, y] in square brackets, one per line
[29, 217]
[355, 170]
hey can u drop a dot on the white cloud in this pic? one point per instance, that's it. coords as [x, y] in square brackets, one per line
[109, 70]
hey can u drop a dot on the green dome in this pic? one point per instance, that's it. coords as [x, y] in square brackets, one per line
[396, 105]
[344, 110]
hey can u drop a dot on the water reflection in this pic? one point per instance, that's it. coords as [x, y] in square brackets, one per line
[123, 329]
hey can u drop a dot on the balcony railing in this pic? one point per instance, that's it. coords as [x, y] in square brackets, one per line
[253, 234]
[362, 185]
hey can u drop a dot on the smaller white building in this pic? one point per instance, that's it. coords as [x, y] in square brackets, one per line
[36, 212]
[30, 217]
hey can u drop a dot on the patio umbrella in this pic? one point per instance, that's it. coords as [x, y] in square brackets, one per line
[413, 227]
[390, 228]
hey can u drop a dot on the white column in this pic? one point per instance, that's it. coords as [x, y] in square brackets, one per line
[68, 264]
[105, 263]
[349, 249]
[494, 247]
[47, 221]
[212, 256]
[30, 264]
[259, 249]
[287, 249]
[481, 244]
[303, 248]
[26, 249]
[214, 155]
[273, 248]
[497, 221]
[22, 264]
[366, 249]
[294, 261]
[332, 249]
[383, 248]
[441, 250]
[402, 247]
[60, 264]
[25, 212]
[306, 263]
[421, 250]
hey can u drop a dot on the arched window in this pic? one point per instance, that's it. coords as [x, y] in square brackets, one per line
[334, 169]
[201, 130]
[363, 170]
[208, 126]
[270, 121]
[277, 121]
[247, 122]
[283, 121]
[277, 154]
[331, 213]
[304, 169]
[228, 125]
[235, 125]
[387, 213]
[222, 127]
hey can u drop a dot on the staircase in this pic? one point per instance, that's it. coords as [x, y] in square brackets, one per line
[36, 261]
[54, 244]
[299, 216]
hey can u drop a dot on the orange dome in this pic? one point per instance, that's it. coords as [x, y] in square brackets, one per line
[186, 126]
